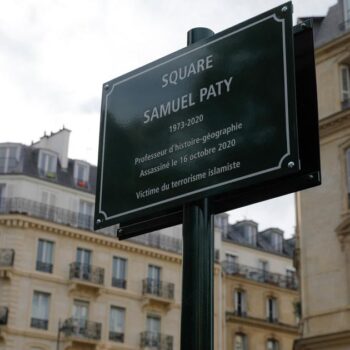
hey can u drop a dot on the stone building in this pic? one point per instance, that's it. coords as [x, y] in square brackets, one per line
[323, 212]
[63, 286]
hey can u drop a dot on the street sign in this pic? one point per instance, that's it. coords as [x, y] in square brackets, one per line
[206, 121]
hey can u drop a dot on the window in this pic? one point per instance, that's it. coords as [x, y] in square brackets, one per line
[47, 164]
[9, 158]
[153, 280]
[48, 209]
[119, 272]
[347, 13]
[348, 173]
[82, 267]
[272, 344]
[250, 234]
[271, 310]
[44, 256]
[116, 324]
[84, 256]
[81, 311]
[40, 310]
[153, 324]
[86, 210]
[277, 241]
[240, 302]
[240, 342]
[81, 174]
[2, 198]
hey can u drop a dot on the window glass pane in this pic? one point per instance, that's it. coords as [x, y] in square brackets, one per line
[153, 324]
[45, 251]
[240, 342]
[40, 308]
[80, 309]
[154, 272]
[119, 268]
[117, 319]
[84, 256]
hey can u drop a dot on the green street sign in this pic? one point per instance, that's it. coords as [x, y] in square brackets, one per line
[208, 119]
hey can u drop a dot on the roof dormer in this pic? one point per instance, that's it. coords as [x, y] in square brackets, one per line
[81, 174]
[10, 154]
[47, 163]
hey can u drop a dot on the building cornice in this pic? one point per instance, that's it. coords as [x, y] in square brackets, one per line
[332, 48]
[334, 123]
[325, 342]
[260, 323]
[269, 286]
[24, 222]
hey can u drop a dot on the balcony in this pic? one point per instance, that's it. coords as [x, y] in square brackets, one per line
[4, 313]
[50, 213]
[157, 341]
[81, 332]
[116, 337]
[119, 283]
[7, 258]
[39, 323]
[258, 275]
[44, 267]
[85, 276]
[158, 292]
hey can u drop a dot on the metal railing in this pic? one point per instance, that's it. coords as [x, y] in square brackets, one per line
[51, 213]
[86, 272]
[44, 267]
[158, 288]
[4, 312]
[116, 336]
[156, 340]
[118, 282]
[7, 257]
[39, 323]
[260, 275]
[74, 327]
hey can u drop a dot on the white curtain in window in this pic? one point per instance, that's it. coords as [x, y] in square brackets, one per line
[119, 268]
[41, 306]
[45, 251]
[153, 324]
[117, 320]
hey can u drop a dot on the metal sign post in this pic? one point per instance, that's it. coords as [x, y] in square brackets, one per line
[198, 263]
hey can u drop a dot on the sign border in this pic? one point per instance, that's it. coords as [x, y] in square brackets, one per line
[177, 56]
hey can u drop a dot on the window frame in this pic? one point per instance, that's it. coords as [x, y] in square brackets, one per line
[118, 281]
[84, 181]
[48, 170]
[34, 317]
[117, 334]
[41, 265]
[7, 148]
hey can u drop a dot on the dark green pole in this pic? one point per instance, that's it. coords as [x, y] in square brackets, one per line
[198, 263]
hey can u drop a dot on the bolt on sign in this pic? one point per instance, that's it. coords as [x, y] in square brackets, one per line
[213, 118]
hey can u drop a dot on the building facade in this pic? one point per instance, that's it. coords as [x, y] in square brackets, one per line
[323, 213]
[63, 286]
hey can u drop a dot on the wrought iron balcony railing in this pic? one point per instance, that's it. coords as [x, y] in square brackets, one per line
[39, 323]
[157, 341]
[116, 336]
[4, 313]
[50, 213]
[158, 288]
[260, 275]
[119, 282]
[44, 267]
[86, 272]
[74, 327]
[7, 257]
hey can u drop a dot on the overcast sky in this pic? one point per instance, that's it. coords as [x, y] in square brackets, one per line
[55, 56]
